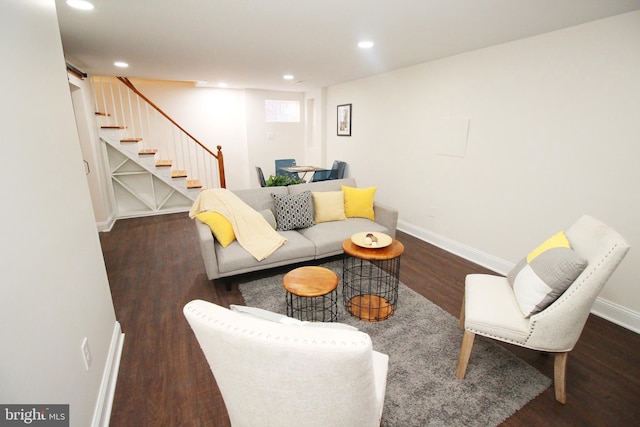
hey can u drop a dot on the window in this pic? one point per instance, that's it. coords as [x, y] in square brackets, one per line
[281, 111]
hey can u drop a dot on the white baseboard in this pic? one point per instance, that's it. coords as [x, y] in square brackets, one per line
[481, 258]
[612, 312]
[106, 225]
[617, 314]
[102, 412]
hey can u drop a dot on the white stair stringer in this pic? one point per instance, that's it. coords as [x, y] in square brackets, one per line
[137, 195]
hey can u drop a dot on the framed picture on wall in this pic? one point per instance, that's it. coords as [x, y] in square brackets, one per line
[344, 120]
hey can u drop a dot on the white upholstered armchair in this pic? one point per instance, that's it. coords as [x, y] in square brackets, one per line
[276, 374]
[493, 306]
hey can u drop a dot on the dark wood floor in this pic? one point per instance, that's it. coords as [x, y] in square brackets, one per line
[155, 268]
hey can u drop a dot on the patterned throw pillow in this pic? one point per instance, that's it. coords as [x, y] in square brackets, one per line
[540, 278]
[293, 211]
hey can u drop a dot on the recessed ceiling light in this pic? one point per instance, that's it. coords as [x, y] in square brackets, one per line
[287, 77]
[121, 64]
[80, 4]
[365, 44]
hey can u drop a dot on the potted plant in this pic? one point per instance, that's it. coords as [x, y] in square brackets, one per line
[282, 180]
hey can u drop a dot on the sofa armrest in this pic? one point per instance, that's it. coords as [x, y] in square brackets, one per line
[387, 216]
[207, 249]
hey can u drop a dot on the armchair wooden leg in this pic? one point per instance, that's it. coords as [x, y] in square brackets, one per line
[559, 376]
[465, 353]
[461, 318]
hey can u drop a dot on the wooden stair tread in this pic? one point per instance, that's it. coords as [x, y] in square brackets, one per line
[131, 140]
[163, 163]
[193, 183]
[113, 127]
[178, 174]
[100, 113]
[148, 152]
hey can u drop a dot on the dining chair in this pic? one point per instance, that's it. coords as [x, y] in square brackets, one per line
[321, 175]
[284, 163]
[338, 169]
[512, 309]
[261, 179]
[336, 172]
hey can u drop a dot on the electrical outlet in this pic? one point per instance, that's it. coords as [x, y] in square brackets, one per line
[86, 353]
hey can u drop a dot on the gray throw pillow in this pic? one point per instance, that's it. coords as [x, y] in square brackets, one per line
[268, 215]
[540, 278]
[293, 211]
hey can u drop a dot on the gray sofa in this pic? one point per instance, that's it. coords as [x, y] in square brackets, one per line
[318, 241]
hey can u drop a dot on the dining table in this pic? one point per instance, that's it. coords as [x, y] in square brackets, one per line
[304, 170]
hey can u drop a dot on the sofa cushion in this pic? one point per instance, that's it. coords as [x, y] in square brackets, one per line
[328, 206]
[235, 259]
[293, 211]
[260, 198]
[328, 185]
[546, 272]
[270, 217]
[220, 226]
[328, 236]
[358, 202]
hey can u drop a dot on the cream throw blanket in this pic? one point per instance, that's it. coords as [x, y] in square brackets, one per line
[252, 231]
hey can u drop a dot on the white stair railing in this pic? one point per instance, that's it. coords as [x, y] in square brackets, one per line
[120, 104]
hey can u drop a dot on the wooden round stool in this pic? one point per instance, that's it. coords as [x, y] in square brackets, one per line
[312, 294]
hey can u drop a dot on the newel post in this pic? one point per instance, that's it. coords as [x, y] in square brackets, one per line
[220, 157]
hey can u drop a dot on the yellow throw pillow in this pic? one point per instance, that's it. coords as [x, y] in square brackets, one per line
[358, 202]
[328, 206]
[220, 226]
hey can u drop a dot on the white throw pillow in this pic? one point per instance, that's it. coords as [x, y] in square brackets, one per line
[263, 314]
[280, 318]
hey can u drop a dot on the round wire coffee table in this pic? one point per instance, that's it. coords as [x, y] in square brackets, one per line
[370, 280]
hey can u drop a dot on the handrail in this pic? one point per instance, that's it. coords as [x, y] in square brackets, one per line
[218, 156]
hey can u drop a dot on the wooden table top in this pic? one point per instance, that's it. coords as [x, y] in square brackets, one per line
[394, 250]
[310, 281]
[303, 169]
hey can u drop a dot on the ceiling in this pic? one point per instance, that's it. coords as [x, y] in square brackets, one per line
[253, 43]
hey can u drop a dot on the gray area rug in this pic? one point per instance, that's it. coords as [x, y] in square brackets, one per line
[423, 342]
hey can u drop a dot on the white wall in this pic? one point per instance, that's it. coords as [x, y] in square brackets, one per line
[234, 119]
[267, 142]
[554, 122]
[213, 116]
[90, 146]
[315, 128]
[54, 289]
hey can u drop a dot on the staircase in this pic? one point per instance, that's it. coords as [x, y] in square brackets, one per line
[155, 166]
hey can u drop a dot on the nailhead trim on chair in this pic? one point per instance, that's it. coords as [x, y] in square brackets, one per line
[592, 270]
[270, 337]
